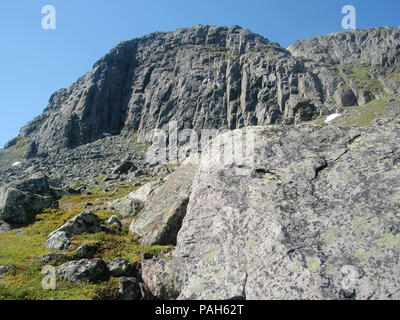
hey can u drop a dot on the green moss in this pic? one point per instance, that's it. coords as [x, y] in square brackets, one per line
[362, 255]
[389, 241]
[212, 253]
[363, 116]
[313, 264]
[331, 236]
[360, 77]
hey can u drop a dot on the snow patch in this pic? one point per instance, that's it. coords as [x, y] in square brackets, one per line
[16, 164]
[332, 117]
[106, 134]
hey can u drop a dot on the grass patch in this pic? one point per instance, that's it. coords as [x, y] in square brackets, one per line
[364, 115]
[25, 247]
[360, 77]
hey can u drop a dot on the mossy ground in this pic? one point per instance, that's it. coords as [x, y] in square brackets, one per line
[361, 116]
[25, 246]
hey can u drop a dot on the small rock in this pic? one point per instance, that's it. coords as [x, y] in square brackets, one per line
[121, 268]
[58, 240]
[88, 249]
[7, 268]
[54, 258]
[4, 226]
[129, 289]
[114, 221]
[124, 167]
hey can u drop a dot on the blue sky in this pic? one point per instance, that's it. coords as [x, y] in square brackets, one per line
[35, 62]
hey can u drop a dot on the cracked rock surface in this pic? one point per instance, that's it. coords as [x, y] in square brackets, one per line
[316, 218]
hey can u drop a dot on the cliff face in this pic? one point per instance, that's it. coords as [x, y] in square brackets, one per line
[212, 77]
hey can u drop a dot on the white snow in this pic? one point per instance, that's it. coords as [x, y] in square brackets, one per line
[16, 164]
[106, 134]
[332, 117]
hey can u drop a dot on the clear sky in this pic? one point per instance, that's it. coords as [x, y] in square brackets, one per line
[35, 62]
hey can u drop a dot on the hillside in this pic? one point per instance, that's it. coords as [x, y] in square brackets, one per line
[78, 190]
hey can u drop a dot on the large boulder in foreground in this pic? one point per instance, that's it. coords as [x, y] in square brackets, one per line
[18, 207]
[161, 218]
[317, 217]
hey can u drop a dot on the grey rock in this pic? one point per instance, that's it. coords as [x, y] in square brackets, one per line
[376, 46]
[37, 183]
[114, 221]
[85, 270]
[124, 167]
[163, 278]
[17, 207]
[316, 217]
[89, 250]
[129, 289]
[5, 227]
[161, 218]
[121, 268]
[131, 204]
[85, 222]
[58, 240]
[133, 87]
[5, 269]
[54, 258]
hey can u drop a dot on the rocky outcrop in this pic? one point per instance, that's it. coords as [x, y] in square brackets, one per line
[312, 219]
[205, 77]
[378, 47]
[161, 218]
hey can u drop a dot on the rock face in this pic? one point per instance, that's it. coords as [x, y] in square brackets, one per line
[313, 219]
[85, 270]
[206, 77]
[377, 46]
[161, 218]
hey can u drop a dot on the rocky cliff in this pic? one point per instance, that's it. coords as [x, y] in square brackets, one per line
[213, 77]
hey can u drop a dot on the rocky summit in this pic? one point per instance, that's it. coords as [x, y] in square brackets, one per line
[211, 163]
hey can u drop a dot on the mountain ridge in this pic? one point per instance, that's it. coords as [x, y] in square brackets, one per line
[251, 81]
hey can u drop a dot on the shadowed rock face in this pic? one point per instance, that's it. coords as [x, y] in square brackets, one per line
[313, 220]
[206, 77]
